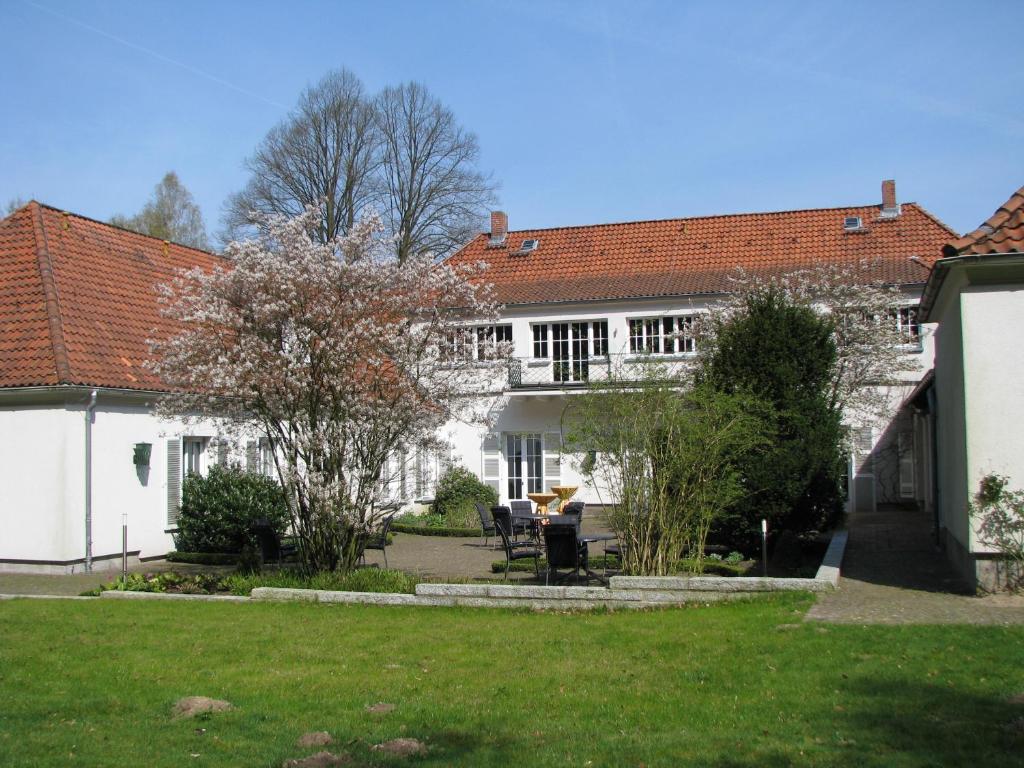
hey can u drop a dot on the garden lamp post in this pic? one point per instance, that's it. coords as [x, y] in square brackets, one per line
[764, 547]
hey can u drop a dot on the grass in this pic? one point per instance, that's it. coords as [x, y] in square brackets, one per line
[728, 686]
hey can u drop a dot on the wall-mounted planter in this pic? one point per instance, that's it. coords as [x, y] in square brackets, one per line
[142, 454]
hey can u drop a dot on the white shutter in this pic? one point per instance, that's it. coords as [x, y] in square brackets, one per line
[552, 459]
[222, 451]
[173, 481]
[490, 456]
[252, 456]
[905, 446]
[863, 442]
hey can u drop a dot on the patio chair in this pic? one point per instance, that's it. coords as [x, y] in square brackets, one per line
[522, 515]
[575, 508]
[379, 540]
[564, 550]
[514, 550]
[514, 527]
[486, 521]
[272, 548]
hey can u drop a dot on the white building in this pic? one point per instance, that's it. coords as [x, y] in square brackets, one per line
[974, 404]
[579, 300]
[78, 306]
[80, 447]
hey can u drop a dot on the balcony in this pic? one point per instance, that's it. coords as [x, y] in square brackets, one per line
[527, 373]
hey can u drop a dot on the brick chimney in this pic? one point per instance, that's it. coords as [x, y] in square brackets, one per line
[499, 226]
[890, 208]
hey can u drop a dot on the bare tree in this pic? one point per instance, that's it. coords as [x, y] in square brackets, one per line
[324, 154]
[172, 214]
[435, 195]
[14, 204]
[402, 152]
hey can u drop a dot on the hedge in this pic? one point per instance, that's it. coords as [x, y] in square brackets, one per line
[599, 562]
[203, 558]
[423, 530]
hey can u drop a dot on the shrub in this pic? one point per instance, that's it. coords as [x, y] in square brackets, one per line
[220, 510]
[203, 558]
[457, 490]
[1000, 514]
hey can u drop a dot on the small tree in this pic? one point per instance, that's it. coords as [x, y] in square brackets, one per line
[172, 214]
[785, 354]
[337, 351]
[668, 459]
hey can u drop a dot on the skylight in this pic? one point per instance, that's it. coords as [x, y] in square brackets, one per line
[529, 245]
[852, 222]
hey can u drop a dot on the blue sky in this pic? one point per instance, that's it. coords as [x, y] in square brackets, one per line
[586, 112]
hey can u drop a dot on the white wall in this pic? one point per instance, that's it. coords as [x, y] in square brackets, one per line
[993, 380]
[42, 477]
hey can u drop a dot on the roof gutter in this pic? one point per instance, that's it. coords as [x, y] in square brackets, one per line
[941, 268]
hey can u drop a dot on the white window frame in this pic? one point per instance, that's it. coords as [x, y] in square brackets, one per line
[662, 335]
[476, 343]
[194, 455]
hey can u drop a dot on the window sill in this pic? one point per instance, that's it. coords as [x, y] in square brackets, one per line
[667, 357]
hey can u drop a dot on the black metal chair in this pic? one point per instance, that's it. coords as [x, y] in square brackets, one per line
[574, 509]
[486, 521]
[514, 550]
[272, 548]
[522, 516]
[379, 540]
[564, 550]
[515, 527]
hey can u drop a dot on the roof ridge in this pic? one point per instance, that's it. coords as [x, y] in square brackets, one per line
[124, 229]
[53, 314]
[934, 218]
[709, 216]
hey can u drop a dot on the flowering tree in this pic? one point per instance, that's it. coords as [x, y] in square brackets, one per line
[336, 351]
[870, 344]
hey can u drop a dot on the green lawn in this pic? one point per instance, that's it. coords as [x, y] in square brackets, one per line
[744, 684]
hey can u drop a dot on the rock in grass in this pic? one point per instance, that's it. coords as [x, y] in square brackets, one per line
[381, 708]
[190, 706]
[319, 760]
[314, 739]
[402, 747]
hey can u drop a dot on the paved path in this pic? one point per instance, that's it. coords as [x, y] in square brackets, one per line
[893, 574]
[436, 557]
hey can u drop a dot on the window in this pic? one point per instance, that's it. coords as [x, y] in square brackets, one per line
[540, 341]
[265, 464]
[192, 449]
[664, 335]
[907, 325]
[476, 342]
[600, 338]
[852, 223]
[529, 245]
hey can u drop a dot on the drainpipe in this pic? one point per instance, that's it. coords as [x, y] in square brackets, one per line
[933, 408]
[89, 410]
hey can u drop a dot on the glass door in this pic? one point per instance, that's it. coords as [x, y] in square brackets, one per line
[524, 462]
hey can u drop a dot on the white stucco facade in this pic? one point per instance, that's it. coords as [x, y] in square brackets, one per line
[530, 403]
[42, 512]
[979, 396]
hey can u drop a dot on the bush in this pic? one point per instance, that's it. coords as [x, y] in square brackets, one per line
[203, 558]
[431, 530]
[220, 510]
[360, 580]
[1000, 514]
[457, 490]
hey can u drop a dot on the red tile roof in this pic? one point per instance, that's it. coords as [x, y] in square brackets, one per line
[677, 257]
[78, 299]
[1002, 233]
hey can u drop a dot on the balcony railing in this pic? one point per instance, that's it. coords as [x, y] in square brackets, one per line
[531, 373]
